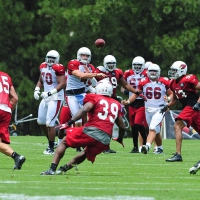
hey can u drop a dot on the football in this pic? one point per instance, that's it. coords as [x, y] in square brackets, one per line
[100, 43]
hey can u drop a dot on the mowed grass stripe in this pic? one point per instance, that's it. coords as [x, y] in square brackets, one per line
[120, 174]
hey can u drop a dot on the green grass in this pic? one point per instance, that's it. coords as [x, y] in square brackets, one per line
[112, 176]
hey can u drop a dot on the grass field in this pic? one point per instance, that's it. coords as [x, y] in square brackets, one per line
[121, 176]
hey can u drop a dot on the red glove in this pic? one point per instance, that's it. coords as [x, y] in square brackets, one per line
[120, 140]
[62, 126]
[143, 97]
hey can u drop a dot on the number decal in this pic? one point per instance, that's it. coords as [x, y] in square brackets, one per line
[47, 77]
[113, 80]
[180, 93]
[4, 85]
[113, 109]
[156, 93]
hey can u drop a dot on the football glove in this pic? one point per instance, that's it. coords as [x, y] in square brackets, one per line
[45, 94]
[164, 109]
[196, 107]
[37, 93]
[120, 140]
[62, 126]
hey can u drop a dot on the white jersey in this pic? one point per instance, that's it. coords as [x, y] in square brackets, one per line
[49, 78]
[74, 82]
[154, 91]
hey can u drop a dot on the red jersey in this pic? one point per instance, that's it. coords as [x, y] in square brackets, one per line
[114, 77]
[5, 85]
[185, 90]
[104, 112]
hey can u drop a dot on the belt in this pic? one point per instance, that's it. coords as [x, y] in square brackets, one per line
[75, 91]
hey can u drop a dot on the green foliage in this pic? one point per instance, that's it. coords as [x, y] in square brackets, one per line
[111, 176]
[161, 31]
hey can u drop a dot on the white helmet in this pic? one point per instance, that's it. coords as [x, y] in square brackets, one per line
[109, 63]
[85, 51]
[138, 64]
[147, 64]
[178, 69]
[104, 87]
[153, 71]
[52, 57]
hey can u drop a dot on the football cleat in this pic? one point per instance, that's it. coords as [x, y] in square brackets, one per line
[158, 151]
[62, 170]
[195, 169]
[134, 150]
[48, 151]
[48, 172]
[175, 158]
[19, 160]
[109, 151]
[145, 149]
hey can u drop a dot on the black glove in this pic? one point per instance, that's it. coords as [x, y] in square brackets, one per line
[196, 107]
[164, 109]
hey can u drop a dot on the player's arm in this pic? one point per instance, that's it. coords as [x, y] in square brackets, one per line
[172, 100]
[61, 83]
[13, 97]
[197, 105]
[82, 75]
[120, 123]
[82, 112]
[131, 99]
[127, 86]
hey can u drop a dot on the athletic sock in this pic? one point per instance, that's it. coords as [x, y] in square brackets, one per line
[53, 166]
[51, 144]
[148, 144]
[14, 155]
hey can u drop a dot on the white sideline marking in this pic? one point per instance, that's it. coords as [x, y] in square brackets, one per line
[21, 197]
[9, 182]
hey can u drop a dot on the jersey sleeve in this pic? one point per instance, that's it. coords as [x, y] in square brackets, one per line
[89, 98]
[141, 83]
[59, 69]
[73, 65]
[120, 72]
[126, 74]
[192, 79]
[92, 68]
[166, 82]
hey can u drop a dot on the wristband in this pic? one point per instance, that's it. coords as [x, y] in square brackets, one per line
[128, 101]
[37, 88]
[70, 122]
[53, 91]
[137, 93]
[168, 99]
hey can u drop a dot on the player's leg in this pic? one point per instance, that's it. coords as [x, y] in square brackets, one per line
[74, 106]
[140, 123]
[64, 117]
[41, 120]
[51, 117]
[5, 140]
[151, 135]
